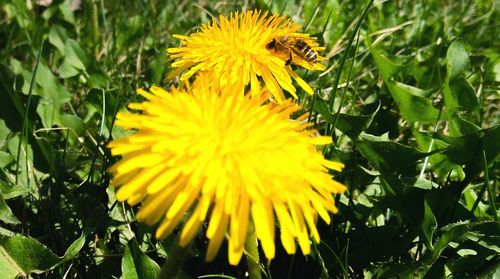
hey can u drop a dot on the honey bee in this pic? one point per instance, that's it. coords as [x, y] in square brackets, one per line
[289, 45]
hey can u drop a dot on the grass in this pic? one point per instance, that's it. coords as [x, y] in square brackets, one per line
[410, 96]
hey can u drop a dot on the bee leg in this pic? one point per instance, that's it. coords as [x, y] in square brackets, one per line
[289, 61]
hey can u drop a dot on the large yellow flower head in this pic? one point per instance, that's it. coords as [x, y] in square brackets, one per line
[206, 155]
[238, 50]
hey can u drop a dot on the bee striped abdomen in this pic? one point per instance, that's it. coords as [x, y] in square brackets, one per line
[305, 51]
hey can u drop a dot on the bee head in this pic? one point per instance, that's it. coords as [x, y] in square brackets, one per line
[271, 45]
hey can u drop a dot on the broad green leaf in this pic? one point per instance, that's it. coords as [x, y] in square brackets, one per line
[5, 159]
[387, 155]
[49, 114]
[457, 60]
[6, 214]
[396, 270]
[23, 77]
[67, 71]
[412, 101]
[12, 104]
[439, 163]
[136, 264]
[413, 106]
[72, 122]
[76, 60]
[478, 262]
[25, 255]
[384, 241]
[4, 132]
[353, 125]
[75, 55]
[7, 269]
[412, 205]
[488, 241]
[322, 108]
[428, 225]
[66, 12]
[459, 95]
[22, 255]
[52, 89]
[156, 69]
[45, 157]
[51, 11]
[437, 270]
[463, 149]
[470, 147]
[5, 232]
[57, 36]
[13, 146]
[460, 126]
[11, 191]
[18, 10]
[386, 66]
[450, 233]
[490, 144]
[72, 250]
[470, 197]
[98, 80]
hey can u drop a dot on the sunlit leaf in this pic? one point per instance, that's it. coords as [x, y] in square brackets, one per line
[457, 60]
[76, 55]
[24, 255]
[413, 106]
[412, 102]
[11, 191]
[136, 264]
[21, 255]
[6, 214]
[57, 36]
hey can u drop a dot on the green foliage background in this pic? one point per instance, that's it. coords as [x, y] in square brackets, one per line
[410, 96]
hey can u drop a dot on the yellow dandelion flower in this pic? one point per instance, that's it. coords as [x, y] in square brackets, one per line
[239, 50]
[224, 158]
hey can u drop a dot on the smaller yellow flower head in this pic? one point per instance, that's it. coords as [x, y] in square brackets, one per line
[236, 52]
[207, 155]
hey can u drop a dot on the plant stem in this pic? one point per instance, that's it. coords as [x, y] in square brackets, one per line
[342, 62]
[24, 129]
[173, 264]
[95, 26]
[491, 197]
[252, 253]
